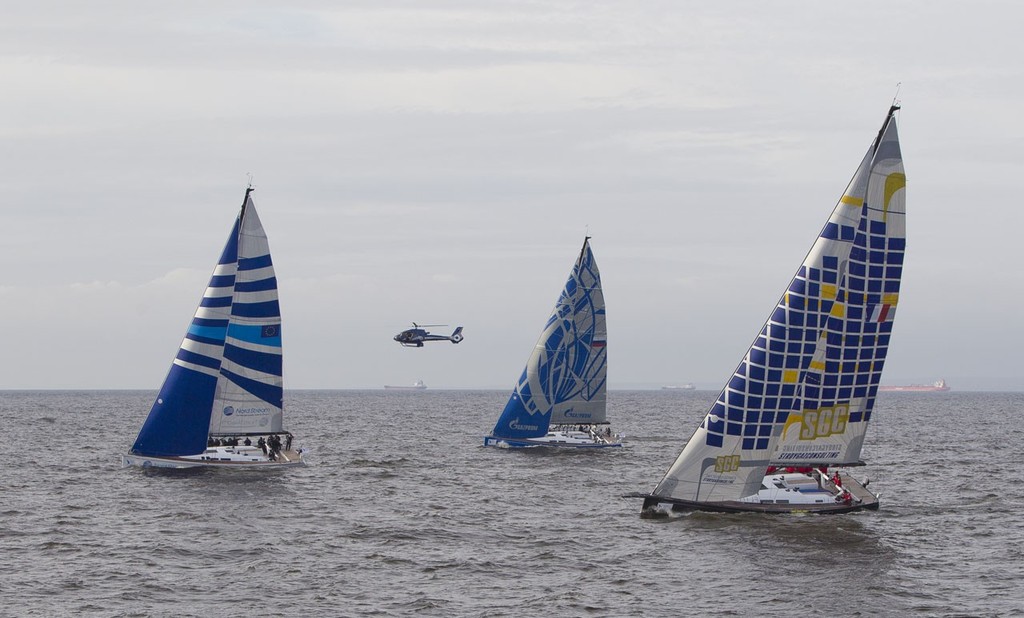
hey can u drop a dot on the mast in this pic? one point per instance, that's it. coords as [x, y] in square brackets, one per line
[888, 118]
[245, 200]
[583, 251]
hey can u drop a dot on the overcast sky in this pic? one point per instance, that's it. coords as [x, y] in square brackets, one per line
[442, 161]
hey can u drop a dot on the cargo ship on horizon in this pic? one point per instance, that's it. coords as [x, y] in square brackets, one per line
[418, 385]
[935, 387]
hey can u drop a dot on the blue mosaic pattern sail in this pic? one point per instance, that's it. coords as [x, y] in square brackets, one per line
[565, 379]
[227, 375]
[838, 388]
[804, 391]
[766, 385]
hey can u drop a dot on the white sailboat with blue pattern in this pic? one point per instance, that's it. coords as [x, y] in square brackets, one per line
[561, 398]
[794, 414]
[222, 402]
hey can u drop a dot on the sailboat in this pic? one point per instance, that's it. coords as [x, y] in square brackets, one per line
[222, 403]
[561, 398]
[801, 399]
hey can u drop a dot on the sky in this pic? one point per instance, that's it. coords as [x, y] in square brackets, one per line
[441, 162]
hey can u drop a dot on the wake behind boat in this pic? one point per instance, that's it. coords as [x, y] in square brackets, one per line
[802, 396]
[561, 397]
[222, 403]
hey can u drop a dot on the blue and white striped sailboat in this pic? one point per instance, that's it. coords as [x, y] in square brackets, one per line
[561, 397]
[222, 401]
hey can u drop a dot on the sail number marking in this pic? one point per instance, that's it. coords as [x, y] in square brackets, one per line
[824, 422]
[727, 463]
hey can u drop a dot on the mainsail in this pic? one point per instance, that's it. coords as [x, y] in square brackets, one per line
[564, 381]
[804, 392]
[227, 376]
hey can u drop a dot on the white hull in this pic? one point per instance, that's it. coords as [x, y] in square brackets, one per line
[568, 438]
[780, 493]
[217, 457]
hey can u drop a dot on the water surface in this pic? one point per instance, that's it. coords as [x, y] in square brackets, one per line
[401, 512]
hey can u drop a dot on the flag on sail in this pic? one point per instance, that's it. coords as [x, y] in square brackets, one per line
[883, 313]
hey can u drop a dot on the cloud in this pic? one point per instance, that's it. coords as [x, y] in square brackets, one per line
[443, 163]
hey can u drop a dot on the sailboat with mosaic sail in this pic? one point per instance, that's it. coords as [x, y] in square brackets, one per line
[801, 398]
[222, 402]
[561, 398]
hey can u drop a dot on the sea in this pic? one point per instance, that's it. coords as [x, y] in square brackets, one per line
[401, 512]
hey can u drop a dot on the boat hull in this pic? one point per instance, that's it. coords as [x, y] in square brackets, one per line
[558, 439]
[216, 458]
[657, 507]
[660, 506]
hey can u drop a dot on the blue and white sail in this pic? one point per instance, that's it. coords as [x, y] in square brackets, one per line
[226, 378]
[804, 392]
[565, 378]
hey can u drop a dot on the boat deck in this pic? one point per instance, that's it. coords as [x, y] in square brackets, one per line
[291, 455]
[852, 485]
[863, 499]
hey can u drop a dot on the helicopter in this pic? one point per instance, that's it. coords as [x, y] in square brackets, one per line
[415, 336]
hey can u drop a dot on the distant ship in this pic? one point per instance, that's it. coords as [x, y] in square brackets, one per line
[418, 385]
[685, 387]
[935, 387]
